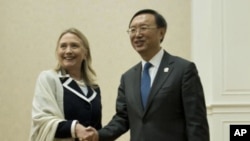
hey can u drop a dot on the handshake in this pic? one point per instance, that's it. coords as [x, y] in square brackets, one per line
[86, 133]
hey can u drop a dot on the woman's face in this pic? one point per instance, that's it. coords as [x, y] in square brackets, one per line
[71, 52]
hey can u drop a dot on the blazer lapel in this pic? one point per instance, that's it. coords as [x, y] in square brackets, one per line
[72, 86]
[137, 85]
[164, 71]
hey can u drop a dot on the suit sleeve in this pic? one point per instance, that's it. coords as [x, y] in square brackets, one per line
[66, 129]
[119, 123]
[194, 105]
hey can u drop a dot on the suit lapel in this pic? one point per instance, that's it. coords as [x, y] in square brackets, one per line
[69, 84]
[137, 85]
[163, 72]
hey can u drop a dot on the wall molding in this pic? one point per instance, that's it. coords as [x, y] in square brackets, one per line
[243, 108]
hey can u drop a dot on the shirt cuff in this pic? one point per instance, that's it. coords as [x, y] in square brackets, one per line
[73, 128]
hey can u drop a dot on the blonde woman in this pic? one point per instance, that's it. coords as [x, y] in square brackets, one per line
[67, 101]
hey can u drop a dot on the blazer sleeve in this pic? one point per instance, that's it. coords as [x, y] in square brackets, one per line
[194, 105]
[119, 123]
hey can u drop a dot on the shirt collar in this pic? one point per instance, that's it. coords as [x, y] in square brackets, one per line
[61, 75]
[156, 60]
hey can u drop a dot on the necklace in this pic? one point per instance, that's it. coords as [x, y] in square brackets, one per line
[80, 82]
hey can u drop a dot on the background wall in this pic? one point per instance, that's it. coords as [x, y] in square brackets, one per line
[220, 48]
[28, 34]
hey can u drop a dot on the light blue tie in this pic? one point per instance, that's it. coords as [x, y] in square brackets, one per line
[145, 84]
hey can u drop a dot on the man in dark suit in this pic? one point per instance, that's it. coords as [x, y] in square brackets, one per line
[163, 101]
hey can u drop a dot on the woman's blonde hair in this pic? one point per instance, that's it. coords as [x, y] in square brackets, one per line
[87, 71]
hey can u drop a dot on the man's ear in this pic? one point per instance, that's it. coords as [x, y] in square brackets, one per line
[162, 33]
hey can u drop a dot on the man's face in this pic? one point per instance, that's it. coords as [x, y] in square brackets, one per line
[144, 35]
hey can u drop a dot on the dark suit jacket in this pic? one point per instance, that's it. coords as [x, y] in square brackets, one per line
[175, 110]
[86, 109]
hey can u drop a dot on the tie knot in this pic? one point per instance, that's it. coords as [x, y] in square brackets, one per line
[147, 66]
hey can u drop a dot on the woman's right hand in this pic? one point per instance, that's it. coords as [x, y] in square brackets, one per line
[86, 133]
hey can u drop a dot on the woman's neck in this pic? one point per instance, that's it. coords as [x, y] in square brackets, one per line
[75, 75]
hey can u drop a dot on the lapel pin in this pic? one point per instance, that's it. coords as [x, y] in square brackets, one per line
[166, 69]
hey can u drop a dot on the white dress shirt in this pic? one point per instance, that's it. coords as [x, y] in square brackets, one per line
[155, 61]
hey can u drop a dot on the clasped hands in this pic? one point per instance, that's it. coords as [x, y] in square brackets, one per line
[86, 133]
